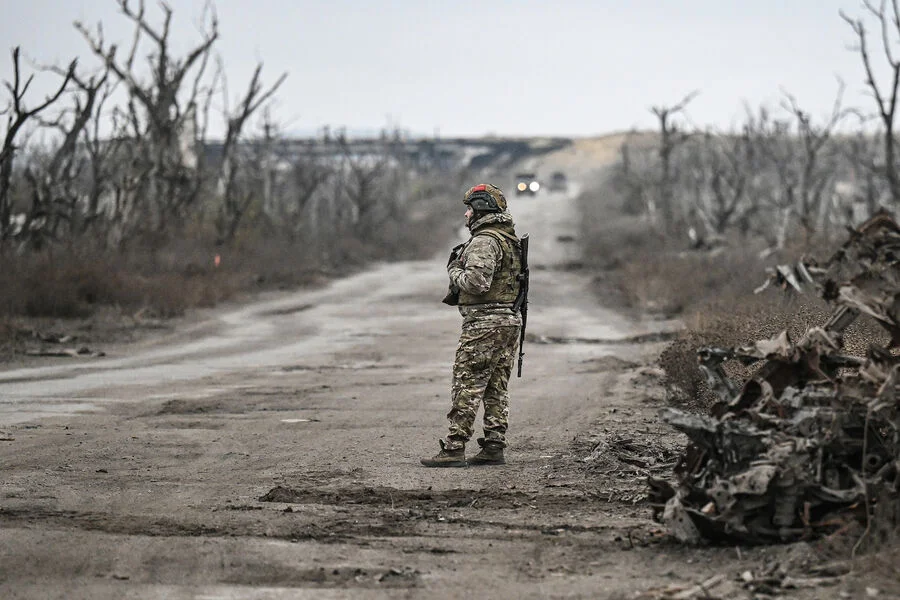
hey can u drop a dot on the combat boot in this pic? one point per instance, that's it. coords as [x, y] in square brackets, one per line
[446, 458]
[491, 454]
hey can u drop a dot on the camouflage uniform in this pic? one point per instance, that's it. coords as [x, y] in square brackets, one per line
[485, 275]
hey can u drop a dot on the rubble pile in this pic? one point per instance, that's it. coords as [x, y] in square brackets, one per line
[809, 444]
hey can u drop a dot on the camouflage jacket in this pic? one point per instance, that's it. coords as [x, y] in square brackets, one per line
[473, 272]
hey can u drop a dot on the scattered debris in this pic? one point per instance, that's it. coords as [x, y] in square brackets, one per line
[627, 454]
[715, 587]
[398, 575]
[625, 462]
[53, 338]
[810, 444]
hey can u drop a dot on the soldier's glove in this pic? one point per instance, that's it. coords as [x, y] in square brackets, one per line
[452, 297]
[455, 253]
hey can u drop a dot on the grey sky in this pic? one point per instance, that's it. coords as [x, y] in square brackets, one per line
[471, 67]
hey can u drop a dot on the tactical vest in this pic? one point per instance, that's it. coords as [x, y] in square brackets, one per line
[505, 284]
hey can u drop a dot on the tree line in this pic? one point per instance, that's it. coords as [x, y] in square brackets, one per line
[122, 152]
[781, 172]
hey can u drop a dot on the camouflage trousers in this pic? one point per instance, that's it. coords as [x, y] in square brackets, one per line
[481, 372]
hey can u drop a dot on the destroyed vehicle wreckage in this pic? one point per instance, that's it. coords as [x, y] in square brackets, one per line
[811, 442]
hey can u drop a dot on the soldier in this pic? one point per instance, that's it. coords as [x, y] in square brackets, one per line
[484, 283]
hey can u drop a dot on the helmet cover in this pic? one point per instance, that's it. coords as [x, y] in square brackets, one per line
[485, 197]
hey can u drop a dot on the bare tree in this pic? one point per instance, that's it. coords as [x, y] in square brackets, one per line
[671, 136]
[885, 96]
[100, 152]
[816, 168]
[17, 115]
[634, 178]
[308, 176]
[860, 151]
[726, 165]
[160, 116]
[363, 173]
[235, 203]
[57, 186]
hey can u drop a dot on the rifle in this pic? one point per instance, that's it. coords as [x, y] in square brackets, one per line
[452, 297]
[521, 303]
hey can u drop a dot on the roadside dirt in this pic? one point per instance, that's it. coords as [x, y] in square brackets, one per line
[272, 451]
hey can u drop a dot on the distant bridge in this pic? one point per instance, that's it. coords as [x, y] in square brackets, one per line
[422, 153]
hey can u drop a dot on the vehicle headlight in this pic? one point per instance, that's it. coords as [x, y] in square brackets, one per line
[521, 186]
[534, 186]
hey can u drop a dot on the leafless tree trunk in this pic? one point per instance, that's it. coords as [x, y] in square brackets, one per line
[635, 180]
[885, 97]
[816, 161]
[234, 202]
[361, 188]
[17, 115]
[100, 154]
[670, 138]
[867, 185]
[159, 117]
[728, 163]
[57, 189]
[309, 176]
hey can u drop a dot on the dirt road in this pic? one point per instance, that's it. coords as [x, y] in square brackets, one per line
[272, 451]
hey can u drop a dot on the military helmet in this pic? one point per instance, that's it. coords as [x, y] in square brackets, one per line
[485, 197]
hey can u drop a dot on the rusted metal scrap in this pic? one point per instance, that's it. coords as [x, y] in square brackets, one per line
[810, 442]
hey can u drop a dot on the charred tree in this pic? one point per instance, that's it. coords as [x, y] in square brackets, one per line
[162, 112]
[57, 185]
[885, 95]
[816, 162]
[670, 138]
[234, 201]
[17, 115]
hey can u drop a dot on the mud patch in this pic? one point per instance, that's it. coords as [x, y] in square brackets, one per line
[190, 425]
[118, 524]
[338, 530]
[191, 407]
[645, 338]
[367, 366]
[342, 577]
[606, 363]
[323, 476]
[431, 501]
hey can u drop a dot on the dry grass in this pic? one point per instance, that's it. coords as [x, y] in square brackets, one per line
[73, 284]
[79, 286]
[712, 293]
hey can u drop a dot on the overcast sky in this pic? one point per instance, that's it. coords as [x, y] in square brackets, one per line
[473, 67]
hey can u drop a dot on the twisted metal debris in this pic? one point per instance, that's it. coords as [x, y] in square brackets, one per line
[810, 443]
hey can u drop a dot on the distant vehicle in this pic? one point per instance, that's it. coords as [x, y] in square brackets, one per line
[527, 184]
[558, 182]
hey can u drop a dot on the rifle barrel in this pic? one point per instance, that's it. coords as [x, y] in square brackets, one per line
[522, 300]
